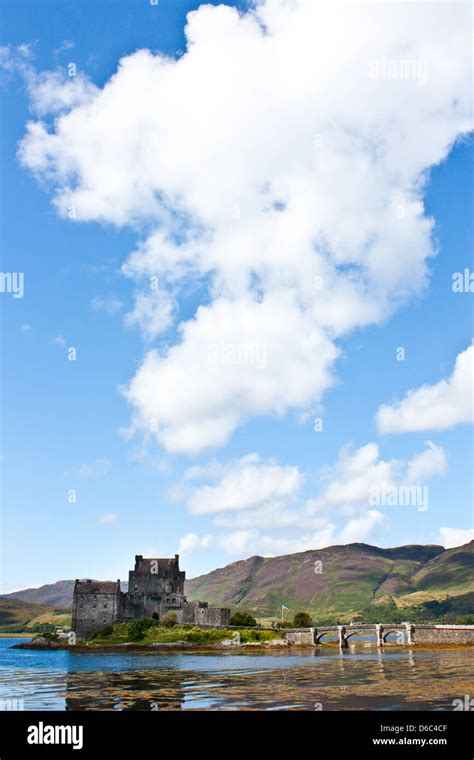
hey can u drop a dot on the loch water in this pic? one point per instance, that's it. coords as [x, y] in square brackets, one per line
[362, 677]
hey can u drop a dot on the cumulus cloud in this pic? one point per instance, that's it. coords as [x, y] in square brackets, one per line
[355, 474]
[430, 462]
[191, 543]
[451, 537]
[434, 407]
[152, 313]
[279, 166]
[256, 506]
[358, 528]
[247, 484]
[50, 92]
[213, 380]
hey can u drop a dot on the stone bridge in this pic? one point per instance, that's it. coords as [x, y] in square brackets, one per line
[405, 633]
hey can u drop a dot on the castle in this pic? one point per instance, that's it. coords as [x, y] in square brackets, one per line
[155, 587]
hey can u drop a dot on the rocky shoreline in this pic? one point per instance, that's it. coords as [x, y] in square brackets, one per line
[41, 643]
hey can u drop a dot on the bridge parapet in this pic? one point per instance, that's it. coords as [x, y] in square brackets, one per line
[407, 634]
[444, 634]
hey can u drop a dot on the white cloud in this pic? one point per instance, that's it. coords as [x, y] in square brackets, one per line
[203, 397]
[271, 154]
[64, 46]
[434, 407]
[191, 542]
[111, 305]
[430, 462]
[360, 528]
[256, 505]
[240, 542]
[152, 313]
[355, 474]
[50, 92]
[450, 537]
[109, 518]
[247, 484]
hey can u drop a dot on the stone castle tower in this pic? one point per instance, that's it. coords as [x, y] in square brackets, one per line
[155, 587]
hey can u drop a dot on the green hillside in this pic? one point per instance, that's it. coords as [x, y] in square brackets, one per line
[18, 616]
[346, 582]
[355, 581]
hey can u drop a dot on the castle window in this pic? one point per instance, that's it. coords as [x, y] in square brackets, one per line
[105, 606]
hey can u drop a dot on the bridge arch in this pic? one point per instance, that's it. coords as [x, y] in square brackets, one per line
[394, 631]
[362, 632]
[333, 634]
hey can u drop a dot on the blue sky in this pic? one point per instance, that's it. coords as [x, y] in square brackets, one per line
[64, 422]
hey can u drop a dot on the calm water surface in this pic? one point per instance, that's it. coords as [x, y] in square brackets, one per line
[361, 678]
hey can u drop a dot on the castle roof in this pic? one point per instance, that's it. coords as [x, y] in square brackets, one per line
[157, 565]
[96, 587]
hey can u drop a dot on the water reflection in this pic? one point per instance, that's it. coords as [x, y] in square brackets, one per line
[360, 678]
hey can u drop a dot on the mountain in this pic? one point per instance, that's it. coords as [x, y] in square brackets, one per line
[57, 594]
[16, 615]
[338, 582]
[346, 582]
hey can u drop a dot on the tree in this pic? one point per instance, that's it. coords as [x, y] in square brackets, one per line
[302, 620]
[243, 618]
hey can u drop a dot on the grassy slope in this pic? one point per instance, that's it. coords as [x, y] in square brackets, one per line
[354, 578]
[16, 615]
[193, 634]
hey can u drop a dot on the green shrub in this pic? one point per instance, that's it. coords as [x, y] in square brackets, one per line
[302, 620]
[138, 628]
[170, 619]
[243, 618]
[247, 636]
[104, 632]
[50, 637]
[43, 628]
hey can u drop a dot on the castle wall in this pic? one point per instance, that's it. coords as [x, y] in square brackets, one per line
[188, 614]
[155, 588]
[151, 605]
[92, 611]
[214, 616]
